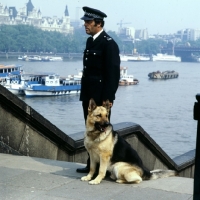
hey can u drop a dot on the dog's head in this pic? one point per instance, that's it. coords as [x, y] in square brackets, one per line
[97, 118]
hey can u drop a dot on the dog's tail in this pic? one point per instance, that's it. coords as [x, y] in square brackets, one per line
[161, 173]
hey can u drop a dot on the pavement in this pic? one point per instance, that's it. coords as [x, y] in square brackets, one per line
[30, 178]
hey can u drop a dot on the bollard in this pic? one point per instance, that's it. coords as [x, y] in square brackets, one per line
[196, 191]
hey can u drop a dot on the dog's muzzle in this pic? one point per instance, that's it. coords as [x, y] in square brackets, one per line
[101, 126]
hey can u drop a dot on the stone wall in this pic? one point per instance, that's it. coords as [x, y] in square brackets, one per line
[23, 131]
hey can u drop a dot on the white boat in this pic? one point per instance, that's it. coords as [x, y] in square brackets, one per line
[23, 58]
[166, 57]
[20, 57]
[163, 75]
[38, 58]
[126, 79]
[34, 58]
[31, 58]
[138, 58]
[76, 76]
[55, 58]
[15, 88]
[53, 85]
[134, 58]
[7, 71]
[123, 58]
[17, 83]
[14, 84]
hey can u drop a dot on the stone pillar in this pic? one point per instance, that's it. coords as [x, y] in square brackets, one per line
[196, 194]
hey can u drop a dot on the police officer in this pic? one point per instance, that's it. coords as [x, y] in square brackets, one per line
[101, 65]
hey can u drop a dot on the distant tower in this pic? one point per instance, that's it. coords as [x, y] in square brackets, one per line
[30, 7]
[66, 12]
[39, 14]
[6, 10]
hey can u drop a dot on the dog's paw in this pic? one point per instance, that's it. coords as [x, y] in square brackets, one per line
[112, 177]
[86, 178]
[94, 182]
[120, 181]
[138, 181]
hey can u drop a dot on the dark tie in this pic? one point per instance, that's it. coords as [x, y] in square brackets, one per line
[90, 41]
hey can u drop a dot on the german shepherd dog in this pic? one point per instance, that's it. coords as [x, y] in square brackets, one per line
[112, 152]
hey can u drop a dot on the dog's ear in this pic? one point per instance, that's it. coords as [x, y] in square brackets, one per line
[92, 105]
[107, 105]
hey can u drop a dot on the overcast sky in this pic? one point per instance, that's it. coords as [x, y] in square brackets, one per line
[158, 16]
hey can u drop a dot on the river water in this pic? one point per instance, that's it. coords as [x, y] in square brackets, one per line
[163, 108]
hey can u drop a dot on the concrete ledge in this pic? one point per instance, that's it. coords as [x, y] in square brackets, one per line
[24, 131]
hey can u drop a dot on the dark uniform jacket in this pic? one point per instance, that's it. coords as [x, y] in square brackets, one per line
[101, 69]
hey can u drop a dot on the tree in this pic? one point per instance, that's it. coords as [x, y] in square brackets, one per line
[23, 38]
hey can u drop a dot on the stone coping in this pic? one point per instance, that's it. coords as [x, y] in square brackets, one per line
[127, 128]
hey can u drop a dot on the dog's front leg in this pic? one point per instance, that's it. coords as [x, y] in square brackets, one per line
[102, 170]
[93, 165]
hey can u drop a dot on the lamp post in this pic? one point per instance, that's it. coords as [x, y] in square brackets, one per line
[196, 191]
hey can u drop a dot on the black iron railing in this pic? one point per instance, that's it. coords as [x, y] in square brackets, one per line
[196, 193]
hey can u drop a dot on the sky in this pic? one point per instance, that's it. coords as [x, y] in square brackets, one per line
[157, 16]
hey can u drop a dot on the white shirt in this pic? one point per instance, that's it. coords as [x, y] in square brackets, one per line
[97, 34]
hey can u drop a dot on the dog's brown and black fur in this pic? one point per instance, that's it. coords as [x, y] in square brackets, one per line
[112, 152]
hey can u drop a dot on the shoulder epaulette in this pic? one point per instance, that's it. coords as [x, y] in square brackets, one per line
[107, 38]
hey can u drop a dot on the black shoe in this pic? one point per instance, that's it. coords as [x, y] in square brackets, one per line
[83, 170]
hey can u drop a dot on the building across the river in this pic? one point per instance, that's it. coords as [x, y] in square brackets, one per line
[29, 15]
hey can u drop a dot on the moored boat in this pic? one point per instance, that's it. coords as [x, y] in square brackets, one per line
[166, 58]
[55, 58]
[126, 79]
[123, 58]
[6, 70]
[14, 84]
[76, 76]
[53, 85]
[23, 58]
[34, 58]
[138, 58]
[163, 75]
[135, 57]
[17, 83]
[51, 58]
[38, 58]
